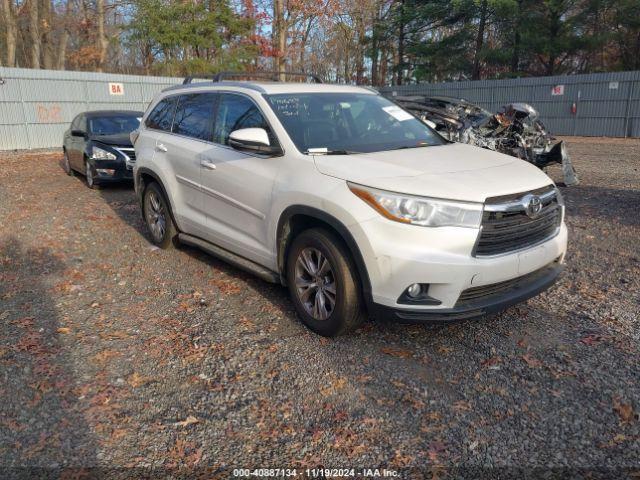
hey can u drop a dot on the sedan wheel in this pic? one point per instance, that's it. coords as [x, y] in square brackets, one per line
[89, 175]
[66, 165]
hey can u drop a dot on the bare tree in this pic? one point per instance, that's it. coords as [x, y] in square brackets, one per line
[11, 30]
[279, 37]
[34, 33]
[102, 42]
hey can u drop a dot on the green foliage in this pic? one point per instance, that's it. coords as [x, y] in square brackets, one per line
[520, 37]
[190, 37]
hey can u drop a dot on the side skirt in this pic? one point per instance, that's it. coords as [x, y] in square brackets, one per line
[232, 258]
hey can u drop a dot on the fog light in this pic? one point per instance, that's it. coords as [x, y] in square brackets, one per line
[414, 290]
[105, 171]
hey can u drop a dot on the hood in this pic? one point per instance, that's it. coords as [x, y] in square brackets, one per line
[453, 171]
[118, 140]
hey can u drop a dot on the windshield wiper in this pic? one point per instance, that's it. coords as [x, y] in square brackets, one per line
[411, 146]
[326, 151]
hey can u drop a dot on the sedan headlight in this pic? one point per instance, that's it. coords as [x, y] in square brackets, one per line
[100, 154]
[423, 211]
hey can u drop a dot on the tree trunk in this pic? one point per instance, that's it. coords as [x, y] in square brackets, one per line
[11, 31]
[360, 39]
[61, 55]
[102, 43]
[46, 30]
[279, 38]
[377, 56]
[517, 38]
[475, 74]
[401, 39]
[34, 34]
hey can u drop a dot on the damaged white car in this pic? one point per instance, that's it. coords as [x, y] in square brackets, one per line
[515, 130]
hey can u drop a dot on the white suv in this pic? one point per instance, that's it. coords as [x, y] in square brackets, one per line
[350, 201]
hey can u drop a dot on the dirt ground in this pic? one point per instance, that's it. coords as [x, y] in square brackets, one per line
[117, 355]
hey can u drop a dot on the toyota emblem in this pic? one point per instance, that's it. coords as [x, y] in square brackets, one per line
[532, 205]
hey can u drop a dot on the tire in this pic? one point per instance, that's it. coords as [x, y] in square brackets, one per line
[88, 175]
[157, 217]
[329, 304]
[66, 165]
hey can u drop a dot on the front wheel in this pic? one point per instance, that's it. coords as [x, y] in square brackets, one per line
[88, 173]
[158, 218]
[66, 165]
[323, 283]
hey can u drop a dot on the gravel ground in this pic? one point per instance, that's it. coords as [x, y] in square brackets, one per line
[115, 354]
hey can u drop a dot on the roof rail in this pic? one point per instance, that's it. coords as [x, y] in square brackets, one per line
[218, 77]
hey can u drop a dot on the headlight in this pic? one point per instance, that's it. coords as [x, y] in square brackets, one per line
[100, 154]
[426, 212]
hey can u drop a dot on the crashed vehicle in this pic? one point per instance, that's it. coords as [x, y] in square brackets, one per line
[515, 130]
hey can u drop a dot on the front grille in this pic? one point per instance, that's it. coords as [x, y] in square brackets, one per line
[129, 152]
[473, 294]
[506, 227]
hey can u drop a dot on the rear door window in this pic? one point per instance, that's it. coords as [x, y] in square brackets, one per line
[236, 112]
[161, 117]
[194, 116]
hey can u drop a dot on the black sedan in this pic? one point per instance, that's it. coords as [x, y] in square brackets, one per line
[97, 145]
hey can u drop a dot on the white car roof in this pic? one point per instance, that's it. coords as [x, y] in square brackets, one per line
[274, 87]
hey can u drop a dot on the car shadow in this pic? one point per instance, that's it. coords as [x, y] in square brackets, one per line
[611, 205]
[43, 429]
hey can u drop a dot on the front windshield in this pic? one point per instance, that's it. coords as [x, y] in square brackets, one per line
[349, 122]
[113, 125]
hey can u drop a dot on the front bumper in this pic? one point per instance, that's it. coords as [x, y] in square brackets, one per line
[520, 290]
[121, 172]
[397, 255]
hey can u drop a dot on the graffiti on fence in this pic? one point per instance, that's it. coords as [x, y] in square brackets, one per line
[50, 114]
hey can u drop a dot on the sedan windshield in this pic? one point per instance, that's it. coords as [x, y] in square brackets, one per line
[113, 125]
[349, 123]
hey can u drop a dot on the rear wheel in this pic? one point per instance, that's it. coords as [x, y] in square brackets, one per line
[323, 283]
[157, 217]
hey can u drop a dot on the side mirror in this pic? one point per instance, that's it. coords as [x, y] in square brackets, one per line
[253, 140]
[78, 133]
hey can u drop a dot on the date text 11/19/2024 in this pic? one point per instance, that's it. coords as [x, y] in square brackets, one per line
[316, 472]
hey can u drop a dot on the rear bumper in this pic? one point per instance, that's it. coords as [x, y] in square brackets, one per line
[520, 290]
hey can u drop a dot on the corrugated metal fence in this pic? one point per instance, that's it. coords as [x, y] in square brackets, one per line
[607, 104]
[36, 106]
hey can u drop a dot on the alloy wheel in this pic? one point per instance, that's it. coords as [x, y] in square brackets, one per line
[89, 175]
[315, 283]
[156, 216]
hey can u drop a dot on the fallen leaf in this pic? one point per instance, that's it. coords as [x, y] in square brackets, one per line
[397, 352]
[591, 339]
[64, 330]
[624, 410]
[531, 361]
[489, 362]
[190, 420]
[136, 380]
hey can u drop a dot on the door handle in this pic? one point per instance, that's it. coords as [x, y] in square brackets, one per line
[208, 165]
[161, 148]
